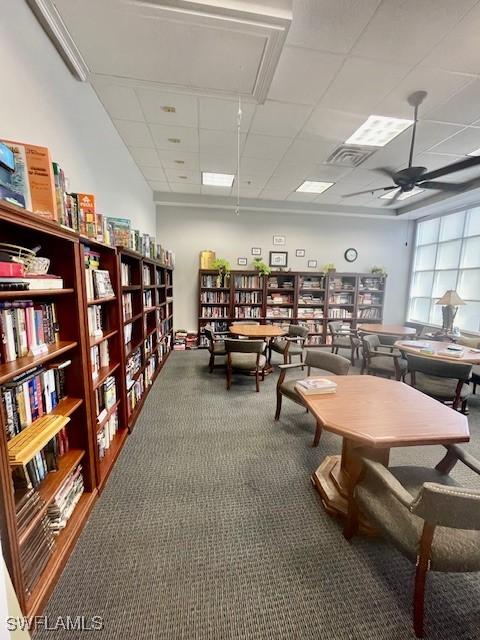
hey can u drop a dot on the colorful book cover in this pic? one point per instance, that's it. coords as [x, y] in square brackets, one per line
[14, 187]
[121, 231]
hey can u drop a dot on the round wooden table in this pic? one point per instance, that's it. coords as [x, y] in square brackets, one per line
[260, 332]
[396, 330]
[469, 356]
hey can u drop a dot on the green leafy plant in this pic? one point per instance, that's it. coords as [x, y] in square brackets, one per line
[379, 271]
[262, 267]
[222, 266]
[329, 267]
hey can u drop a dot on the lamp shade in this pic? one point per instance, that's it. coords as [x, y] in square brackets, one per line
[451, 298]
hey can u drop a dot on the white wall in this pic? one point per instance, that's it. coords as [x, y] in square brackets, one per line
[41, 103]
[324, 237]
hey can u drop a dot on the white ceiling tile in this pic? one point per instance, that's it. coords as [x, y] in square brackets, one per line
[330, 172]
[216, 113]
[220, 140]
[406, 31]
[154, 173]
[153, 102]
[302, 197]
[279, 118]
[274, 194]
[363, 83]
[306, 151]
[134, 134]
[190, 177]
[257, 166]
[218, 163]
[331, 25]
[249, 192]
[180, 187]
[216, 191]
[461, 143]
[162, 134]
[252, 182]
[303, 75]
[464, 107]
[440, 85]
[120, 101]
[332, 125]
[458, 51]
[272, 147]
[145, 157]
[283, 182]
[158, 185]
[178, 159]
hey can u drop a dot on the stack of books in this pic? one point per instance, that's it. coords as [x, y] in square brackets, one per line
[105, 398]
[65, 500]
[316, 386]
[35, 552]
[106, 435]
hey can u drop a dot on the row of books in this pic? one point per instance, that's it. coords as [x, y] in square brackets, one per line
[66, 499]
[45, 461]
[31, 395]
[135, 394]
[308, 298]
[279, 312]
[106, 435]
[98, 284]
[213, 312]
[248, 282]
[312, 326]
[95, 320]
[26, 328]
[215, 297]
[338, 283]
[312, 282]
[147, 275]
[369, 298]
[125, 274]
[372, 314]
[340, 312]
[99, 357]
[310, 313]
[127, 333]
[248, 297]
[280, 282]
[148, 300]
[132, 367]
[127, 305]
[279, 298]
[150, 369]
[209, 281]
[341, 298]
[148, 345]
[247, 312]
[105, 397]
[372, 283]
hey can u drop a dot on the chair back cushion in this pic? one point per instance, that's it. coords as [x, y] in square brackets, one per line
[448, 506]
[296, 331]
[473, 343]
[328, 361]
[208, 330]
[371, 342]
[439, 368]
[244, 346]
[335, 327]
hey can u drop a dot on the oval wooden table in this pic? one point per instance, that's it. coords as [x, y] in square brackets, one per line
[469, 356]
[395, 330]
[260, 332]
[375, 414]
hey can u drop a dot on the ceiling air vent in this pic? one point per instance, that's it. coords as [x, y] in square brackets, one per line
[350, 155]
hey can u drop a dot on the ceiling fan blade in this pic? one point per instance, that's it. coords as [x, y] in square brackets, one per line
[359, 193]
[396, 195]
[441, 186]
[390, 173]
[451, 168]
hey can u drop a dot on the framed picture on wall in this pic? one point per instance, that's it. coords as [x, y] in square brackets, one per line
[300, 253]
[278, 258]
[256, 251]
[279, 240]
[312, 264]
[242, 262]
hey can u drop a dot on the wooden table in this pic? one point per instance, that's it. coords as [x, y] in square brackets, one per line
[375, 414]
[260, 332]
[388, 330]
[470, 356]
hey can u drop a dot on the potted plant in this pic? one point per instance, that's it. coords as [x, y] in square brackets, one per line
[378, 271]
[329, 267]
[223, 267]
[262, 267]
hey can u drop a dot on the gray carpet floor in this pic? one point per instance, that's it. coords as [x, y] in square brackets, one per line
[210, 529]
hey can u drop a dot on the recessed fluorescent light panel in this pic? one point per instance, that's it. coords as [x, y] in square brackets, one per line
[377, 131]
[217, 179]
[474, 153]
[407, 194]
[314, 186]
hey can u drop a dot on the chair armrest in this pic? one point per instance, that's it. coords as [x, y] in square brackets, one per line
[283, 371]
[448, 506]
[464, 457]
[290, 366]
[376, 354]
[388, 482]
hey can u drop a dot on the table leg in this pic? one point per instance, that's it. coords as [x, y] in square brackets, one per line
[337, 475]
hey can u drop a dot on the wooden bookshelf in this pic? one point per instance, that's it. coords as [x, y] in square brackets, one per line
[63, 248]
[308, 298]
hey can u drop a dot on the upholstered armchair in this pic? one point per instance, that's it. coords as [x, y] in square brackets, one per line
[425, 514]
[443, 380]
[290, 345]
[344, 339]
[216, 346]
[382, 359]
[245, 356]
[324, 363]
[472, 343]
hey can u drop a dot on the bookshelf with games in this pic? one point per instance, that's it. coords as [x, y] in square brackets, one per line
[311, 299]
[106, 388]
[47, 459]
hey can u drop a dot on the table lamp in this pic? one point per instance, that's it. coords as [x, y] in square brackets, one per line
[450, 301]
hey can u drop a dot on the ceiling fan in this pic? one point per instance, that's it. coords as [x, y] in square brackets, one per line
[408, 179]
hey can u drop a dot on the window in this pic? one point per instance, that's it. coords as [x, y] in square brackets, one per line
[447, 256]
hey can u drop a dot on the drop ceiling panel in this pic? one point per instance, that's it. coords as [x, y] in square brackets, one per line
[222, 141]
[461, 143]
[157, 185]
[259, 167]
[145, 157]
[407, 30]
[332, 125]
[279, 118]
[270, 147]
[308, 151]
[182, 175]
[173, 158]
[164, 134]
[154, 173]
[216, 113]
[134, 134]
[182, 187]
[304, 75]
[464, 107]
[153, 105]
[120, 101]
[330, 25]
[368, 80]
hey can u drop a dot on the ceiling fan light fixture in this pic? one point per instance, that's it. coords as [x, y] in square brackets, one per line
[377, 131]
[403, 196]
[313, 186]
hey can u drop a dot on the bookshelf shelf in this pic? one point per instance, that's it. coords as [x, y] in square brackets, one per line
[94, 340]
[35, 293]
[108, 415]
[103, 374]
[12, 369]
[102, 300]
[111, 455]
[132, 319]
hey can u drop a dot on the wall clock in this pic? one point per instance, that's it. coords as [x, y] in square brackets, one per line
[351, 254]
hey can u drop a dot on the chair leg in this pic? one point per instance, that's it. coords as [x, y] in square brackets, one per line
[279, 406]
[318, 433]
[229, 378]
[263, 374]
[333, 348]
[301, 360]
[211, 364]
[352, 522]
[419, 598]
[352, 357]
[464, 408]
[257, 385]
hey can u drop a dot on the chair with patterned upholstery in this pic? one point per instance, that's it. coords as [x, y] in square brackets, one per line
[382, 359]
[291, 344]
[472, 343]
[425, 514]
[246, 356]
[325, 363]
[443, 380]
[216, 345]
[344, 339]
